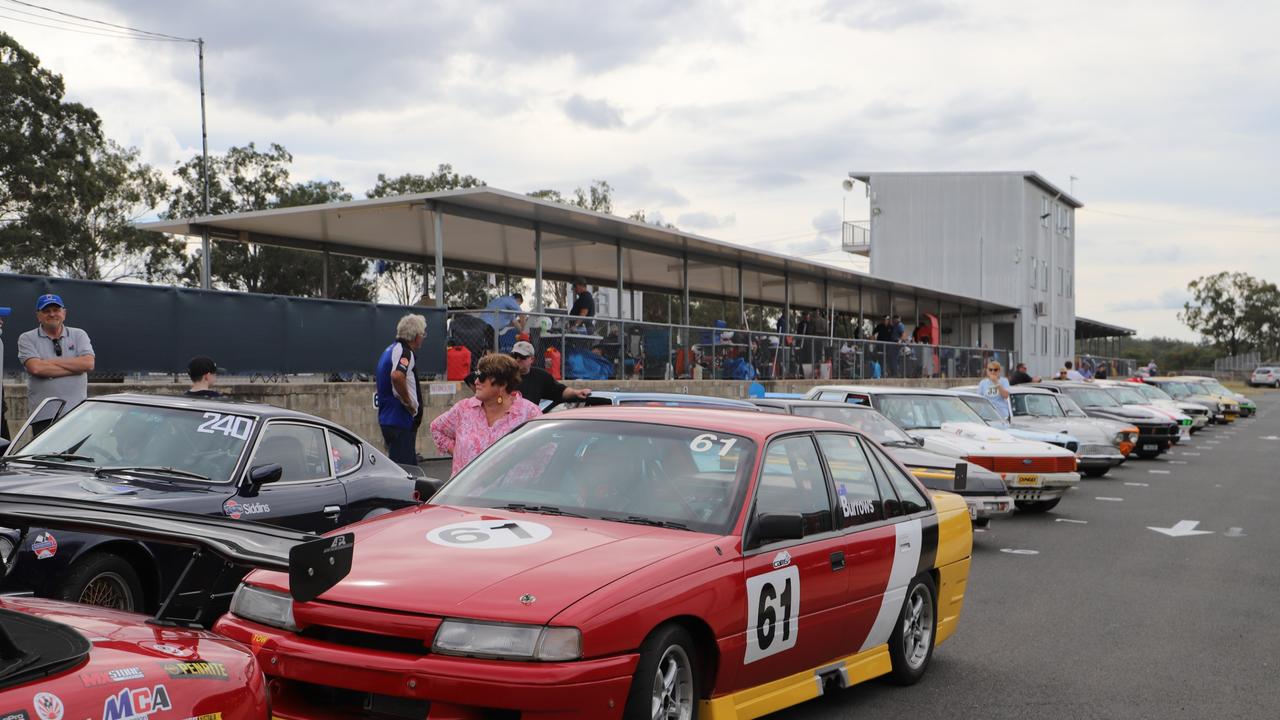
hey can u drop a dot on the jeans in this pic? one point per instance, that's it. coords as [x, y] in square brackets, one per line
[400, 444]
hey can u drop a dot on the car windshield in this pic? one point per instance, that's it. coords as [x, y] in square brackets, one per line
[1035, 405]
[1151, 392]
[863, 419]
[910, 412]
[984, 408]
[1178, 389]
[1127, 396]
[1069, 407]
[1092, 397]
[115, 434]
[614, 470]
[1217, 387]
[1204, 388]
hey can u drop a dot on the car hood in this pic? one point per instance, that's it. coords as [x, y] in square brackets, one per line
[1088, 432]
[80, 485]
[398, 568]
[1128, 413]
[979, 480]
[1169, 413]
[965, 439]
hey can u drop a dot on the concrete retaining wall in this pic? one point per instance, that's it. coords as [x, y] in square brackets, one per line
[351, 404]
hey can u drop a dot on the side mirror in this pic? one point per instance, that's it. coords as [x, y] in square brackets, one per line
[426, 487]
[260, 475]
[962, 477]
[779, 526]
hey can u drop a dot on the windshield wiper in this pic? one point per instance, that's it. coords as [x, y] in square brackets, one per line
[150, 470]
[543, 509]
[638, 520]
[47, 456]
[901, 443]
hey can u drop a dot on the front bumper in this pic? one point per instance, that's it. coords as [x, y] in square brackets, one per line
[984, 507]
[1039, 486]
[317, 680]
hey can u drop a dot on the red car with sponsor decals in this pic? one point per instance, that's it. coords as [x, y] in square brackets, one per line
[68, 661]
[627, 563]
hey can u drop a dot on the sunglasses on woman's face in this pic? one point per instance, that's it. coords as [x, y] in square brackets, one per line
[995, 370]
[483, 377]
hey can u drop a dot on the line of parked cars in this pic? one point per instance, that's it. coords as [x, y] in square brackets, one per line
[634, 555]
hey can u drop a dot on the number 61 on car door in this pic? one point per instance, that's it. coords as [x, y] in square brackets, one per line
[773, 612]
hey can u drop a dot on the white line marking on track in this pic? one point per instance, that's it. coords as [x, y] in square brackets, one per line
[1069, 520]
[1019, 551]
[1234, 532]
[1190, 454]
[1110, 499]
[1177, 462]
[1136, 484]
[1158, 472]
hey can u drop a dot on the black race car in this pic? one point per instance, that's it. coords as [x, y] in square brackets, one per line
[247, 462]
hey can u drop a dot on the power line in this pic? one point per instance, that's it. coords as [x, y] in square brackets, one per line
[105, 34]
[101, 22]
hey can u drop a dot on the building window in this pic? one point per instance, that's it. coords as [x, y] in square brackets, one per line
[1045, 213]
[1064, 220]
[1031, 346]
[1044, 339]
[1062, 280]
[1035, 270]
[1070, 285]
[1044, 275]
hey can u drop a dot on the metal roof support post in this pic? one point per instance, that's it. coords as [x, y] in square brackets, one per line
[206, 262]
[786, 301]
[438, 237]
[324, 273]
[537, 267]
[960, 340]
[619, 279]
[861, 315]
[742, 305]
[686, 287]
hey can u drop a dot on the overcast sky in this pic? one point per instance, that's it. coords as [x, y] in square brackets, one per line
[738, 120]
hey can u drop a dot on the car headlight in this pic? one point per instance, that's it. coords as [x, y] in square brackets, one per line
[263, 606]
[513, 642]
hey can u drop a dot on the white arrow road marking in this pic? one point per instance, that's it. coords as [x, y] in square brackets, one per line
[1182, 528]
[1110, 499]
[1134, 484]
[1019, 551]
[1269, 437]
[1234, 532]
[1158, 472]
[1068, 520]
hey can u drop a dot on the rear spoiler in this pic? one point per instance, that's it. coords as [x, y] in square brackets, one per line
[314, 563]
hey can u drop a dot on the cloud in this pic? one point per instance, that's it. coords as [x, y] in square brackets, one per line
[770, 180]
[705, 221]
[885, 16]
[594, 113]
[1170, 299]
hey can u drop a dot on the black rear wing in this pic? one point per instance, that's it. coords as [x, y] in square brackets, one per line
[314, 563]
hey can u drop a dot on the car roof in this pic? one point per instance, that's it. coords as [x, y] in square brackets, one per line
[884, 390]
[799, 402]
[672, 397]
[218, 405]
[756, 425]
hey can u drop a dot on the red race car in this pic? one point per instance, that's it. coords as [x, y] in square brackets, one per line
[627, 563]
[64, 661]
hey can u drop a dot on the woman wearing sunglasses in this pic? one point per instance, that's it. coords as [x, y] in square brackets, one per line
[995, 388]
[472, 425]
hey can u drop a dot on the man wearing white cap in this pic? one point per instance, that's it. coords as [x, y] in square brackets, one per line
[57, 358]
[537, 384]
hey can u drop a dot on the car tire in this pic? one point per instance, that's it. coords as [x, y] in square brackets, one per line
[103, 579]
[1096, 472]
[667, 682]
[911, 642]
[1037, 506]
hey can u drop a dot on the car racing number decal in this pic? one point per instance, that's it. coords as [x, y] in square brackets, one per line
[773, 612]
[489, 534]
[230, 425]
[706, 441]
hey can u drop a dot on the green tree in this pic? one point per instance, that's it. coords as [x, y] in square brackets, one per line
[1226, 308]
[246, 179]
[404, 281]
[67, 194]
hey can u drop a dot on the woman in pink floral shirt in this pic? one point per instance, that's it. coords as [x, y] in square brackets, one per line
[474, 424]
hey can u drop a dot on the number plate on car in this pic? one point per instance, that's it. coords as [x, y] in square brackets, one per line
[1028, 480]
[1150, 446]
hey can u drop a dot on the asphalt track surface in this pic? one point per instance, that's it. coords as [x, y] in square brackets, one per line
[1110, 619]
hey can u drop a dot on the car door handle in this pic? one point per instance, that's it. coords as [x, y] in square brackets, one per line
[332, 509]
[905, 546]
[837, 560]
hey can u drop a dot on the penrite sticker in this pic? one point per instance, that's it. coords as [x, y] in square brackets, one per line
[44, 546]
[201, 669]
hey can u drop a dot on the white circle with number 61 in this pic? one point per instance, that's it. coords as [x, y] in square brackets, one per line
[489, 534]
[773, 612]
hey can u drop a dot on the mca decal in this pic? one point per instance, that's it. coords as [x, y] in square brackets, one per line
[136, 703]
[44, 546]
[236, 510]
[94, 679]
[202, 670]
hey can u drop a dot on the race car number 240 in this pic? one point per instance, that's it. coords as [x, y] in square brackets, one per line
[773, 612]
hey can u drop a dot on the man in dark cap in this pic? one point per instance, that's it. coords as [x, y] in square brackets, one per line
[203, 372]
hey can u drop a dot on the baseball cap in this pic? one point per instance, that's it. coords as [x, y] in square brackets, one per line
[50, 299]
[523, 349]
[200, 365]
[4, 311]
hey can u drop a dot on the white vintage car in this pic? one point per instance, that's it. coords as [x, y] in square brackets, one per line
[1189, 416]
[1036, 474]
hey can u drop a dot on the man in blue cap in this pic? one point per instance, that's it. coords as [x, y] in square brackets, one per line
[57, 359]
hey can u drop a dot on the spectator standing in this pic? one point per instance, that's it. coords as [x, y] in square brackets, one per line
[537, 384]
[900, 330]
[995, 389]
[506, 318]
[1152, 370]
[1020, 375]
[584, 305]
[4, 423]
[1071, 372]
[58, 358]
[883, 331]
[1101, 372]
[398, 398]
[203, 372]
[472, 425]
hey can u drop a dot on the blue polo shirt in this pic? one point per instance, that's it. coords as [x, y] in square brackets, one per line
[391, 411]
